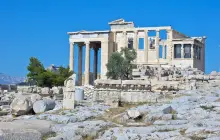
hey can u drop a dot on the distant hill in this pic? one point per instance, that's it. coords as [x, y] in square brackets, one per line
[5, 79]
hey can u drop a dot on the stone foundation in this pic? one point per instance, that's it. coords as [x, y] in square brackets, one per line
[148, 82]
[129, 91]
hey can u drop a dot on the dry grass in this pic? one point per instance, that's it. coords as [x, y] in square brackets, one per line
[49, 135]
[207, 107]
[88, 138]
[197, 138]
[115, 114]
[182, 131]
[121, 109]
[100, 132]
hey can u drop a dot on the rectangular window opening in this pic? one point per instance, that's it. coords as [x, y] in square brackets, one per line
[141, 44]
[187, 50]
[152, 43]
[130, 43]
[163, 34]
[177, 51]
[151, 33]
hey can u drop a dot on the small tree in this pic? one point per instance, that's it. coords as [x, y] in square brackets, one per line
[35, 68]
[120, 64]
[61, 76]
[46, 78]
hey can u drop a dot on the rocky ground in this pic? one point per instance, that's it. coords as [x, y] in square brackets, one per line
[185, 115]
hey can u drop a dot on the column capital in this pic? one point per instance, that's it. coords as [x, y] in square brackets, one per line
[169, 30]
[157, 30]
[87, 42]
[124, 32]
[146, 31]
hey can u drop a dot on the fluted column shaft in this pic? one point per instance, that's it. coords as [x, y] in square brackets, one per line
[157, 45]
[163, 53]
[87, 63]
[135, 44]
[71, 60]
[146, 46]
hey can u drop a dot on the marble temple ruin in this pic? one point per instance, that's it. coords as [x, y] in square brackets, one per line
[174, 48]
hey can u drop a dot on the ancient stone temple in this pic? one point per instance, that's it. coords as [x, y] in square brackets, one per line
[153, 48]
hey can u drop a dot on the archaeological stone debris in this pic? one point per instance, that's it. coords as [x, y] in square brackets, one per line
[69, 93]
[168, 97]
[158, 103]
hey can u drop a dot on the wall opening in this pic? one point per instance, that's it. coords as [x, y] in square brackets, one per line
[177, 51]
[187, 50]
[197, 52]
[141, 43]
[130, 43]
[163, 34]
[152, 42]
[151, 33]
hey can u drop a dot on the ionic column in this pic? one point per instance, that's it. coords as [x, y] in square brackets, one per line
[182, 50]
[192, 51]
[146, 45]
[87, 64]
[157, 41]
[163, 53]
[135, 41]
[71, 61]
[80, 65]
[95, 63]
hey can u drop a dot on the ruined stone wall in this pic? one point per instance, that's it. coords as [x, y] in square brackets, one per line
[131, 91]
[127, 96]
[151, 84]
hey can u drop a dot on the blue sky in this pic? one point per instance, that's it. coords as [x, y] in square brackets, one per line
[39, 27]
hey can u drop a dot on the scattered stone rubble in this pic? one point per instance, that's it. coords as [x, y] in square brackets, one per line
[147, 82]
[170, 104]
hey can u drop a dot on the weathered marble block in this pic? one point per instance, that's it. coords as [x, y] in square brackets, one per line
[43, 105]
[69, 93]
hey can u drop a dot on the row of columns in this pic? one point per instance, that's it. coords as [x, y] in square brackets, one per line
[87, 61]
[146, 43]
